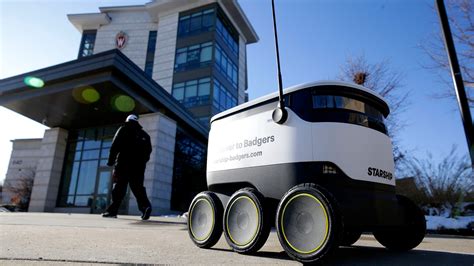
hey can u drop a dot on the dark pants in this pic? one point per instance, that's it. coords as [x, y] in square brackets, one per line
[121, 179]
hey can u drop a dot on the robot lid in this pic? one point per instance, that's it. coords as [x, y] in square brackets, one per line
[360, 91]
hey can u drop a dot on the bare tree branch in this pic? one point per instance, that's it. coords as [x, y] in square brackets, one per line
[461, 20]
[387, 82]
[442, 185]
[21, 189]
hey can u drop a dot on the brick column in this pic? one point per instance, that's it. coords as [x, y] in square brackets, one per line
[49, 170]
[159, 170]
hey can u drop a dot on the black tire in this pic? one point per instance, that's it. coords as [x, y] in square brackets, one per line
[350, 237]
[245, 231]
[206, 212]
[408, 236]
[304, 235]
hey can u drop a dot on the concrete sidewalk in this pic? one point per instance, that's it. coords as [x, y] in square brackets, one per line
[46, 238]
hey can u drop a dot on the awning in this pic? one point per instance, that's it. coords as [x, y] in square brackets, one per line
[96, 90]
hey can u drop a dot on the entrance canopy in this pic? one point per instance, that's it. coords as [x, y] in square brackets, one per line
[97, 90]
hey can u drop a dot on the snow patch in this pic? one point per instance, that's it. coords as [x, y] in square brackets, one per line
[438, 222]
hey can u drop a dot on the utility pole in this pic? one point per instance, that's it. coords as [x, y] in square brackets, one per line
[457, 79]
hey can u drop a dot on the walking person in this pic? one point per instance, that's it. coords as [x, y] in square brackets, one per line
[129, 153]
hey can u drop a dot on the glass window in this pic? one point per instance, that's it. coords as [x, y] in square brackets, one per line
[191, 90]
[204, 88]
[223, 29]
[178, 93]
[191, 82]
[179, 85]
[228, 101]
[234, 75]
[70, 201]
[218, 55]
[90, 154]
[193, 56]
[79, 145]
[229, 71]
[206, 54]
[329, 101]
[181, 58]
[208, 18]
[105, 153]
[77, 155]
[226, 66]
[103, 162]
[222, 99]
[150, 54]
[87, 177]
[78, 183]
[339, 101]
[195, 22]
[371, 111]
[183, 27]
[194, 47]
[91, 144]
[87, 43]
[104, 181]
[107, 143]
[83, 201]
[219, 26]
[319, 101]
[351, 104]
[216, 95]
[235, 47]
[75, 171]
[342, 109]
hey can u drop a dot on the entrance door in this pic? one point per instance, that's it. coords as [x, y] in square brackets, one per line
[103, 188]
[103, 192]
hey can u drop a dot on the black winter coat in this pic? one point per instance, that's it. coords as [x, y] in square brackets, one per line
[131, 147]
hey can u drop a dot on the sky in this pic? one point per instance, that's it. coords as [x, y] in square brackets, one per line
[315, 37]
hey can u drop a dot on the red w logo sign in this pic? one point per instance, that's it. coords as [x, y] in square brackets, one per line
[121, 40]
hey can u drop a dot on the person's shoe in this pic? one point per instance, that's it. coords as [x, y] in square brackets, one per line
[109, 215]
[146, 213]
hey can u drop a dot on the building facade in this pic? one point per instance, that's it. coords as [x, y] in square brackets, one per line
[175, 63]
[196, 50]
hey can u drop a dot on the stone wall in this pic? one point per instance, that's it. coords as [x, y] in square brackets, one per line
[23, 161]
[163, 68]
[136, 24]
[49, 170]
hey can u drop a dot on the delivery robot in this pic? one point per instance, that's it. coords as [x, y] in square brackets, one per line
[321, 177]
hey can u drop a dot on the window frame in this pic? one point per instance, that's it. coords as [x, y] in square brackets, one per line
[199, 99]
[185, 22]
[224, 64]
[150, 53]
[197, 49]
[88, 37]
